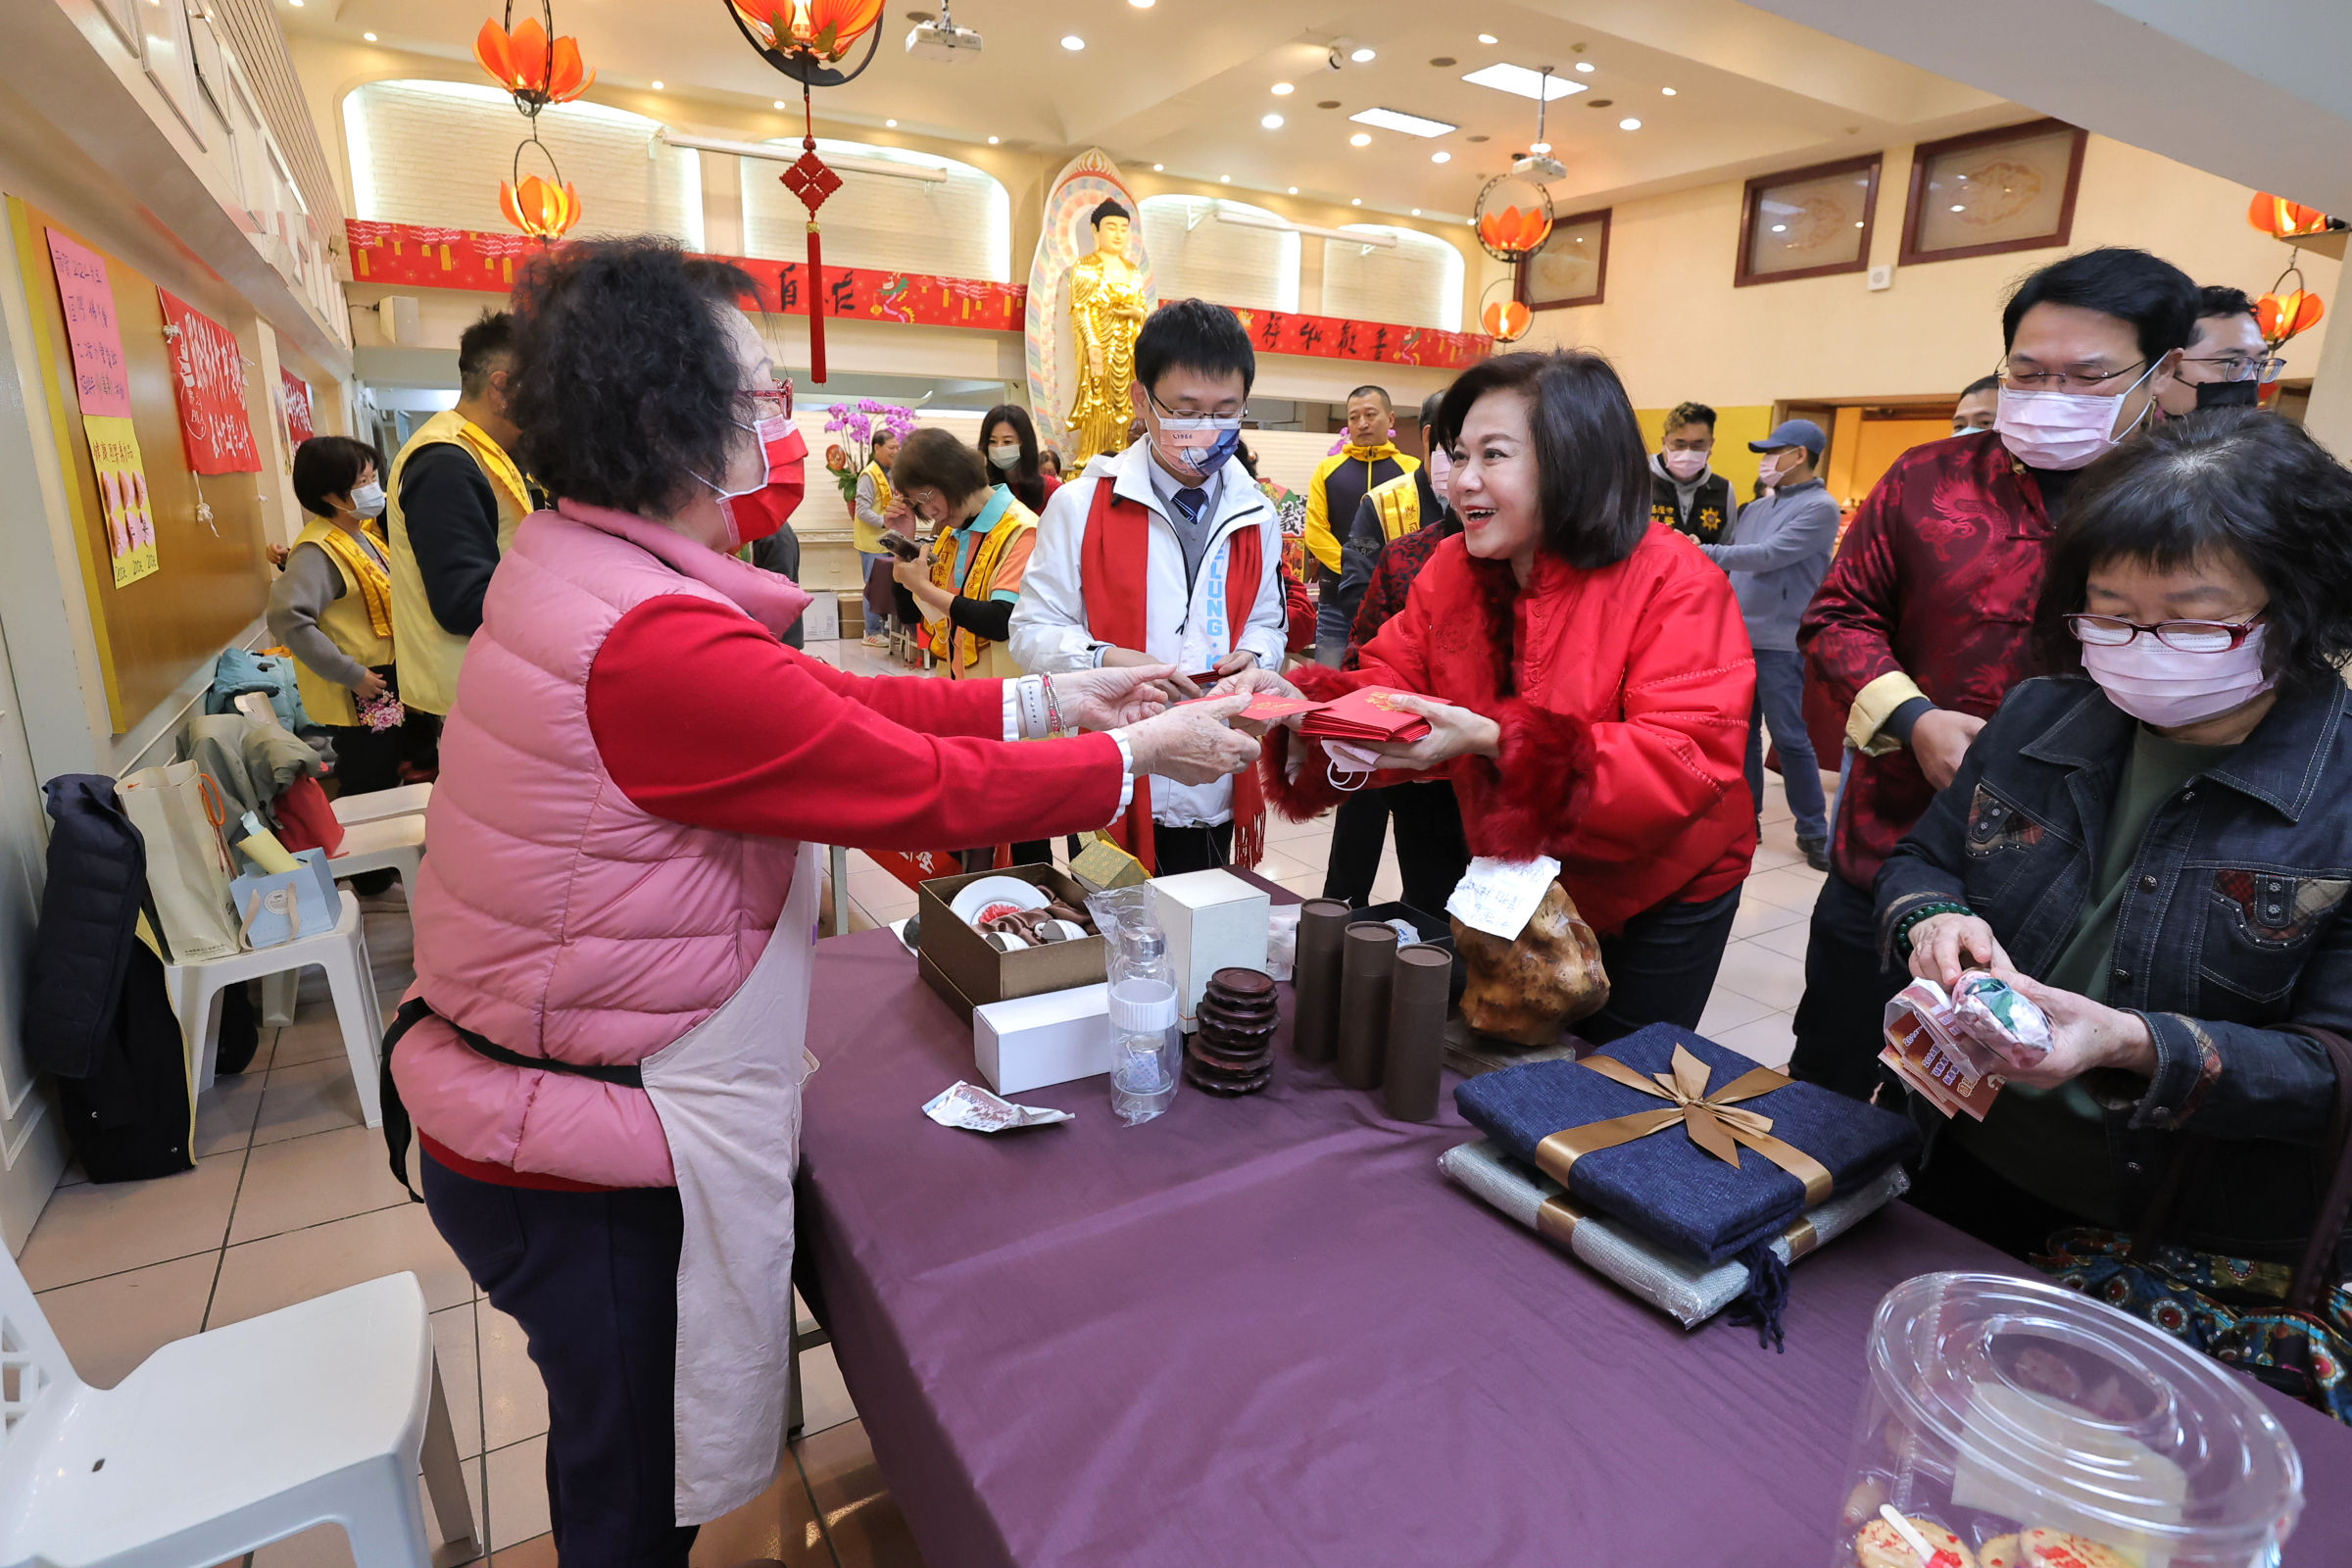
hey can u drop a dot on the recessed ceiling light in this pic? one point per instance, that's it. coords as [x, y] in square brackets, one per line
[296, 4]
[1072, 42]
[992, 141]
[1397, 120]
[892, 123]
[1362, 138]
[1526, 84]
[1857, 223]
[1224, 180]
[1959, 207]
[1487, 38]
[779, 103]
[1629, 123]
[1667, 91]
[1283, 89]
[657, 86]
[1584, 66]
[1600, 103]
[1159, 168]
[1271, 122]
[1293, 190]
[370, 36]
[1328, 103]
[1443, 61]
[1440, 156]
[1779, 228]
[1417, 211]
[1363, 57]
[1478, 139]
[1355, 201]
[1141, 5]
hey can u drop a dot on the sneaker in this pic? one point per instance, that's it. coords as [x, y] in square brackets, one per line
[876, 640]
[1815, 853]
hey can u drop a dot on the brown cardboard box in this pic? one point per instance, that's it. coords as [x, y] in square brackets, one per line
[974, 974]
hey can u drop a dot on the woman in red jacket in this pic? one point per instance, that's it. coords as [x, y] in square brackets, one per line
[1588, 681]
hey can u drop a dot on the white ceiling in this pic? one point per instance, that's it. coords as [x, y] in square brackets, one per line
[1185, 83]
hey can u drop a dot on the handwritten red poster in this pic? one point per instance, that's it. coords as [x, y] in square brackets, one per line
[102, 386]
[297, 393]
[210, 375]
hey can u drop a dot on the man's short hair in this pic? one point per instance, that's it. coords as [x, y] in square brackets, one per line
[1982, 383]
[1368, 390]
[2156, 297]
[1430, 406]
[1683, 414]
[1193, 336]
[2213, 299]
[481, 350]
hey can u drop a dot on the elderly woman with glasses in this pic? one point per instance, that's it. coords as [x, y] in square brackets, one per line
[2156, 847]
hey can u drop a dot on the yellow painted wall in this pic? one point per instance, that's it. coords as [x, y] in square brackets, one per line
[1735, 428]
[1676, 328]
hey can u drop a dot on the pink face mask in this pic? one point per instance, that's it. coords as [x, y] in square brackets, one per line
[2168, 688]
[1684, 465]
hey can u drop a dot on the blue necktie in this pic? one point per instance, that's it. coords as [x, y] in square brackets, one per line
[1191, 501]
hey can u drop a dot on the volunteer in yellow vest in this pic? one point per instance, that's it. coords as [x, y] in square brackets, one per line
[1389, 511]
[1342, 481]
[456, 499]
[972, 580]
[334, 610]
[869, 515]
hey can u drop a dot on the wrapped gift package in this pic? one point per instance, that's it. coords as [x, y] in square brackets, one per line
[1214, 920]
[1031, 1042]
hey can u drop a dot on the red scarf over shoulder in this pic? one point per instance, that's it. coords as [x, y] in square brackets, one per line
[1115, 570]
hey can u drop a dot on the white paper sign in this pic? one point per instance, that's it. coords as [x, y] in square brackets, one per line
[1499, 897]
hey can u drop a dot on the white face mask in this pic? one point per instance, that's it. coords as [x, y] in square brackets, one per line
[1684, 465]
[368, 499]
[1005, 457]
[1440, 473]
[2064, 429]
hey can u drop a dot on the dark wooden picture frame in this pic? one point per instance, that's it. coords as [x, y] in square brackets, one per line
[1751, 198]
[1523, 287]
[1927, 152]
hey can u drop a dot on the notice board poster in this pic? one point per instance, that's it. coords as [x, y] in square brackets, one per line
[208, 374]
[298, 409]
[104, 390]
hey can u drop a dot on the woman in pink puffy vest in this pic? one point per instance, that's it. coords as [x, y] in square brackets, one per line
[602, 1055]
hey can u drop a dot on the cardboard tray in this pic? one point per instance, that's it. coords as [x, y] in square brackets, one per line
[968, 972]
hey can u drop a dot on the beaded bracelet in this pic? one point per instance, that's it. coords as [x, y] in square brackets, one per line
[1053, 707]
[1922, 914]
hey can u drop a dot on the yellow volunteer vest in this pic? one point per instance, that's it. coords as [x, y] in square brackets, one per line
[429, 655]
[863, 534]
[963, 656]
[347, 627]
[1397, 503]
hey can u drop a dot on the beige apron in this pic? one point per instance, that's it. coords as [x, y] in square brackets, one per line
[728, 1092]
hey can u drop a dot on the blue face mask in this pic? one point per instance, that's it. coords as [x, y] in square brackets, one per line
[1200, 444]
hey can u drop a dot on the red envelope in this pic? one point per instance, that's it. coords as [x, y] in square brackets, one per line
[1264, 707]
[1369, 715]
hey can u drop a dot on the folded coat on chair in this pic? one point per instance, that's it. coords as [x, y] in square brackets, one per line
[1665, 1185]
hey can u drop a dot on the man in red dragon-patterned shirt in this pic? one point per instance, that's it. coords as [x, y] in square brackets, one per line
[1921, 627]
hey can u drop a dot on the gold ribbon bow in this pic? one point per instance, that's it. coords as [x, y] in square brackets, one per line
[1715, 1122]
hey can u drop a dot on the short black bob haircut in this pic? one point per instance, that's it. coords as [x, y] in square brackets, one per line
[931, 457]
[2222, 479]
[626, 386]
[1108, 211]
[2156, 297]
[1591, 466]
[1025, 479]
[1683, 414]
[1193, 336]
[329, 466]
[2219, 299]
[480, 347]
[1982, 383]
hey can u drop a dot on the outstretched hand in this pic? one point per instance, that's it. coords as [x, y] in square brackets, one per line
[1114, 695]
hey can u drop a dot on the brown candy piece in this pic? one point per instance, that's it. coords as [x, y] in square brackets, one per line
[1530, 990]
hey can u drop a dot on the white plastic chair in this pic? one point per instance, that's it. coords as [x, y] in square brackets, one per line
[402, 800]
[385, 843]
[195, 992]
[321, 1412]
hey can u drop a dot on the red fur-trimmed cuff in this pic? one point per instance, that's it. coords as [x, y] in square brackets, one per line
[1535, 790]
[1310, 793]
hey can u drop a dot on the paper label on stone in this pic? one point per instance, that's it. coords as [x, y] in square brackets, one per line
[970, 1107]
[1499, 897]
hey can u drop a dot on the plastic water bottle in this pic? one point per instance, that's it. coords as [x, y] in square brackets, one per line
[1146, 1039]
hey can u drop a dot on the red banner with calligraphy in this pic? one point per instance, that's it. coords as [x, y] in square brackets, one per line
[297, 394]
[1331, 337]
[208, 374]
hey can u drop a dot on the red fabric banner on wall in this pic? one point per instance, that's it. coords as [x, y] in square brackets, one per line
[297, 394]
[210, 375]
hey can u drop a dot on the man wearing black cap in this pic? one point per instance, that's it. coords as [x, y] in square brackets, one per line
[1777, 550]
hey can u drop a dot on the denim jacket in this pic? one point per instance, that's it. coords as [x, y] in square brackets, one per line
[2230, 926]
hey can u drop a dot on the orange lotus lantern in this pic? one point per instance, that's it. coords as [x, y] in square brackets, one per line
[2279, 316]
[823, 29]
[2285, 220]
[1515, 230]
[537, 69]
[540, 208]
[1507, 320]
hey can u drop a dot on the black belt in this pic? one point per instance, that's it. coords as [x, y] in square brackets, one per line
[397, 1127]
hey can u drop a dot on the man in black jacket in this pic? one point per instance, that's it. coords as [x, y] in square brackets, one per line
[1686, 495]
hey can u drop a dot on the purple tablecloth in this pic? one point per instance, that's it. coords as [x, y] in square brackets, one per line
[1267, 1331]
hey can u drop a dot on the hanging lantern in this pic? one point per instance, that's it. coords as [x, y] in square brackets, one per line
[2285, 220]
[1507, 320]
[1513, 233]
[2281, 316]
[530, 63]
[807, 40]
[540, 208]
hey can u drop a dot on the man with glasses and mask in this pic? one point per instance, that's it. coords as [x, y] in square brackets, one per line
[2228, 363]
[1923, 623]
[1167, 553]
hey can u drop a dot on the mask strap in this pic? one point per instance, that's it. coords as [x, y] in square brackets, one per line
[1347, 783]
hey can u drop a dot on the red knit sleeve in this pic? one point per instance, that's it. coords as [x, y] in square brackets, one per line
[701, 717]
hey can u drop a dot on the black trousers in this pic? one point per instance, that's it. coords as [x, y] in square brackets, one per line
[1431, 852]
[1841, 1021]
[593, 1279]
[1208, 848]
[1661, 967]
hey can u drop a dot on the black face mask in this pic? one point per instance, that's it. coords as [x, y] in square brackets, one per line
[2229, 394]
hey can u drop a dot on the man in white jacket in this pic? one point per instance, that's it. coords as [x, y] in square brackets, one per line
[1168, 553]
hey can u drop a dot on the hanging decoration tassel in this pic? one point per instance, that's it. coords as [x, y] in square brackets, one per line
[817, 306]
[811, 181]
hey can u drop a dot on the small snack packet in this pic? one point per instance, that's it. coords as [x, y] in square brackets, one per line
[2002, 1019]
[1933, 1057]
[970, 1107]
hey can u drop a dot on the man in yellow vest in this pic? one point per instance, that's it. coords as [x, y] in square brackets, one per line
[1342, 481]
[456, 497]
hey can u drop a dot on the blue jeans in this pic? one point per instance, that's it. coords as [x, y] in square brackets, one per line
[868, 563]
[1781, 704]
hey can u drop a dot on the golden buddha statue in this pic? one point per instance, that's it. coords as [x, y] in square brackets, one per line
[1106, 312]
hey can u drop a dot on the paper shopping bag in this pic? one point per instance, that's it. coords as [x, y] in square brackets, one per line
[178, 813]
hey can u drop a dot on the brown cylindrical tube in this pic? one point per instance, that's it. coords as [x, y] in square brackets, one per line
[1322, 922]
[1364, 974]
[1416, 1044]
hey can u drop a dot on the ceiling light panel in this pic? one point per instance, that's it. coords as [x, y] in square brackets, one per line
[1526, 84]
[1397, 120]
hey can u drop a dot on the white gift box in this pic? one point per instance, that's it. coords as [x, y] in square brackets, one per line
[1214, 920]
[1052, 1037]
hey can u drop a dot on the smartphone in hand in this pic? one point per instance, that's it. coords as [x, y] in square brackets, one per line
[899, 545]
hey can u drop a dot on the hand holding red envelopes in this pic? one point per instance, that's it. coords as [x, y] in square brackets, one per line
[1359, 717]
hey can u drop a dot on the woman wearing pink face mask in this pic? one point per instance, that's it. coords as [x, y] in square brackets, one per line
[2157, 848]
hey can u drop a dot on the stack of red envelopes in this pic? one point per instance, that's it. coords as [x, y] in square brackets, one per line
[1366, 716]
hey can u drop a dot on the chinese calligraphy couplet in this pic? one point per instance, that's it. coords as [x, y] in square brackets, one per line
[103, 387]
[210, 374]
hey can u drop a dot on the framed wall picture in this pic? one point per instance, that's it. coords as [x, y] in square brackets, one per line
[2011, 189]
[1572, 268]
[1808, 223]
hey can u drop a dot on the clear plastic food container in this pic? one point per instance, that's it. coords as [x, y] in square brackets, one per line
[2011, 1424]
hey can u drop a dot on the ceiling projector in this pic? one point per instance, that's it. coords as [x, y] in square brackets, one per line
[942, 40]
[1540, 167]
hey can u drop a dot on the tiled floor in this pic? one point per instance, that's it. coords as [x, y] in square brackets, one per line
[290, 1198]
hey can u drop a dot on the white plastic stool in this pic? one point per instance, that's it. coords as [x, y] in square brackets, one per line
[321, 1412]
[386, 844]
[402, 800]
[195, 991]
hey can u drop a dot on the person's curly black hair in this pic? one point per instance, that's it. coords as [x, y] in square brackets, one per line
[625, 387]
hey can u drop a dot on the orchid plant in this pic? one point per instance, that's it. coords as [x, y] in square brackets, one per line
[859, 424]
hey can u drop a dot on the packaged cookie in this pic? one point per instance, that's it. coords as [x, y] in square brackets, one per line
[2001, 1552]
[1881, 1544]
[2056, 1548]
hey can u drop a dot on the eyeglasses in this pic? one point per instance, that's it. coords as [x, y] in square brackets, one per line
[769, 403]
[2181, 636]
[2238, 368]
[1242, 412]
[2072, 378]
